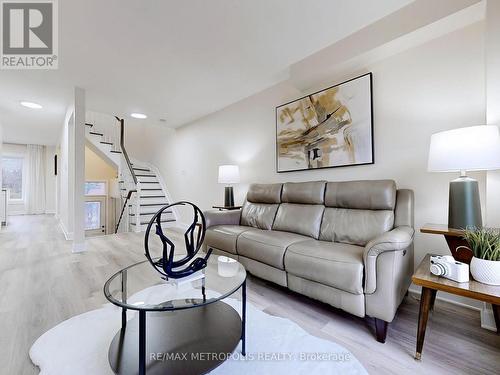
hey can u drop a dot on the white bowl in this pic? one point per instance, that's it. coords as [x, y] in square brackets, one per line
[227, 267]
[485, 271]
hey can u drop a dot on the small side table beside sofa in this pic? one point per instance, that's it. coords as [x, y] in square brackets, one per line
[432, 284]
[227, 208]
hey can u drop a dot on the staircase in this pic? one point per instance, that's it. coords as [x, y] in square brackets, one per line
[151, 198]
[142, 191]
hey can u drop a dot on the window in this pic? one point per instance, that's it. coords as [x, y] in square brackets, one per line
[92, 215]
[95, 188]
[12, 176]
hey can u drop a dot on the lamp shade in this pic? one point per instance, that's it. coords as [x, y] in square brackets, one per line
[473, 148]
[229, 174]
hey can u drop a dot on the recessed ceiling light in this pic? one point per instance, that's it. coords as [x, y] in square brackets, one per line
[31, 105]
[141, 116]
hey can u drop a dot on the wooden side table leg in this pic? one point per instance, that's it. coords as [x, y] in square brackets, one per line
[496, 314]
[428, 295]
[433, 301]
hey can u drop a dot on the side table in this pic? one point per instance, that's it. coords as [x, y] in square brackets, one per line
[431, 284]
[228, 208]
[453, 238]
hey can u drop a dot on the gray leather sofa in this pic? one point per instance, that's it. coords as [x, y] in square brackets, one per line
[348, 244]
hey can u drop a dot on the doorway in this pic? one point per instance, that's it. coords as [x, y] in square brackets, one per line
[95, 216]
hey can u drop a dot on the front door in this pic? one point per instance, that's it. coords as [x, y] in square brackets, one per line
[95, 216]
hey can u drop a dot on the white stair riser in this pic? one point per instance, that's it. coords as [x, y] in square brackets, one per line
[152, 192]
[148, 217]
[147, 179]
[152, 201]
[152, 186]
[142, 228]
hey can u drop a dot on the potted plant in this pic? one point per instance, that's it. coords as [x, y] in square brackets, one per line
[485, 245]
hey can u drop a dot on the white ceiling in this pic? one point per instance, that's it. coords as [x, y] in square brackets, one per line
[178, 60]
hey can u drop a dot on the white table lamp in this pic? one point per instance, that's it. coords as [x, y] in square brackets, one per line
[229, 174]
[475, 148]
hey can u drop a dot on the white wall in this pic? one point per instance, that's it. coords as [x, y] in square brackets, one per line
[436, 86]
[138, 138]
[1, 146]
[71, 177]
[96, 168]
[64, 181]
[50, 180]
[493, 101]
[2, 204]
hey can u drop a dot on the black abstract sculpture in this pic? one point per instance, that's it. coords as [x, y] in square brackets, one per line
[166, 265]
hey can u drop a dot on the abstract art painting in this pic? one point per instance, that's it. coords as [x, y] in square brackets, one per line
[330, 128]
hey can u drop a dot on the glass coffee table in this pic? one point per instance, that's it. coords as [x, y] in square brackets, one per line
[189, 328]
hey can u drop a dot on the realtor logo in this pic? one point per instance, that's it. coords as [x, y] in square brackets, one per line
[29, 34]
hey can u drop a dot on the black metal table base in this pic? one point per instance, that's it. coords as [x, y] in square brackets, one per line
[191, 341]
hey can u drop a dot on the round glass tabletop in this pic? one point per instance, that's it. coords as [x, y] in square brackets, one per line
[141, 287]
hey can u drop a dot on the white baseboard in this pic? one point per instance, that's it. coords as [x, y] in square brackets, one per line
[50, 212]
[67, 235]
[16, 213]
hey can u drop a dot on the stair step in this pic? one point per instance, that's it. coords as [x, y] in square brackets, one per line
[151, 204]
[152, 213]
[89, 124]
[95, 133]
[145, 175]
[149, 182]
[149, 179]
[151, 189]
[152, 196]
[141, 169]
[116, 152]
[106, 143]
[162, 221]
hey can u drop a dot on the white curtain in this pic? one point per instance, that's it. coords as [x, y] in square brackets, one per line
[35, 179]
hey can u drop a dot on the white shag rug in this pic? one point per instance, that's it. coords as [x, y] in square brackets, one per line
[79, 345]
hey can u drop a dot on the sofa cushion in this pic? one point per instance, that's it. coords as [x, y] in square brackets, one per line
[223, 237]
[334, 264]
[266, 246]
[304, 192]
[261, 205]
[356, 227]
[264, 193]
[364, 195]
[299, 218]
[258, 215]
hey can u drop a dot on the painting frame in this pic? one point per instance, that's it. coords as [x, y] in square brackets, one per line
[371, 126]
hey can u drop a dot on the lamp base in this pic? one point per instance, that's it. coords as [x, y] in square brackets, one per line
[228, 196]
[464, 210]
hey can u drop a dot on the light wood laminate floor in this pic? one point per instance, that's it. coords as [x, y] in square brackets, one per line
[43, 283]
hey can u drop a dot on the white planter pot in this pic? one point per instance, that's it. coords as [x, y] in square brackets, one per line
[485, 271]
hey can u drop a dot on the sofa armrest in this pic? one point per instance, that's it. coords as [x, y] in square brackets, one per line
[228, 217]
[398, 239]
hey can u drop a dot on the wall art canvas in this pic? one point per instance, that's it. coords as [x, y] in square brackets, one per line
[330, 128]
